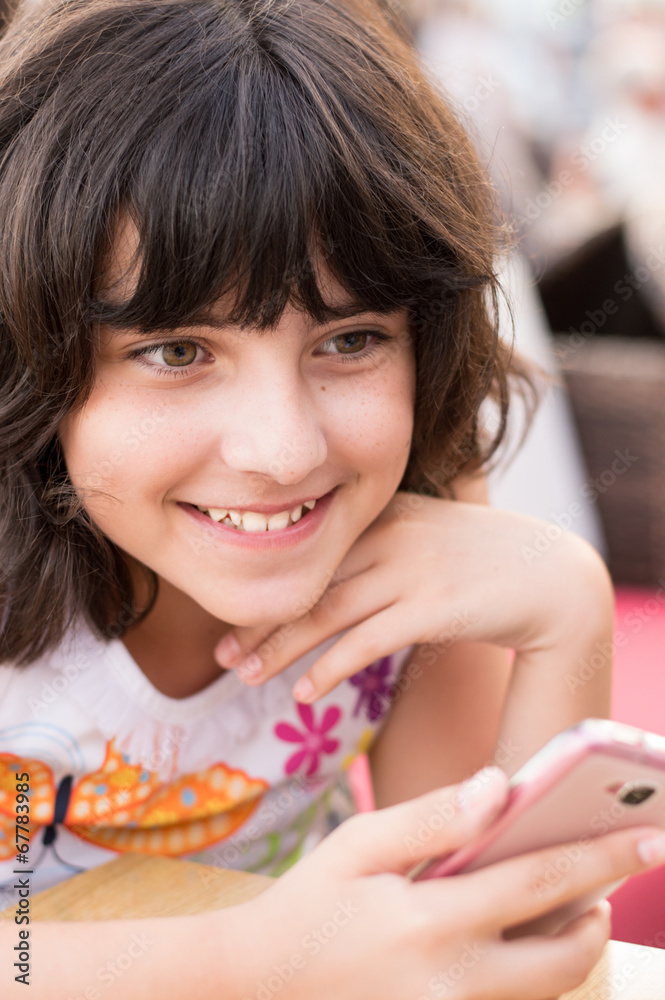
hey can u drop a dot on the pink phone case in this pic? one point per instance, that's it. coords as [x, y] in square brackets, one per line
[585, 782]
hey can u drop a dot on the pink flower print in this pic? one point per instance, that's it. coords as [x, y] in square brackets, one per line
[314, 739]
[375, 692]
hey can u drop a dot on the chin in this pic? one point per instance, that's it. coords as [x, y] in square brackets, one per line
[260, 612]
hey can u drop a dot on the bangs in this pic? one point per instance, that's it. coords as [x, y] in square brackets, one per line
[248, 174]
[247, 202]
[255, 200]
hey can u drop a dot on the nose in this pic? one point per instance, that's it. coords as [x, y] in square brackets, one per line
[273, 429]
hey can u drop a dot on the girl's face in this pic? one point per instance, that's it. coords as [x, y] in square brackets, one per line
[254, 423]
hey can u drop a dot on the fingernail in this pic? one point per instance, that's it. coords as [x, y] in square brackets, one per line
[652, 850]
[227, 650]
[304, 690]
[600, 909]
[479, 790]
[250, 668]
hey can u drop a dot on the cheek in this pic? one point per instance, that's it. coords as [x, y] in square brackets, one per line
[115, 446]
[373, 423]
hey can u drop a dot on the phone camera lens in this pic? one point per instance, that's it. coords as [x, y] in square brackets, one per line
[635, 795]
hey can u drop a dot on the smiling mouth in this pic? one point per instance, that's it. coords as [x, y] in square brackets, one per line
[252, 521]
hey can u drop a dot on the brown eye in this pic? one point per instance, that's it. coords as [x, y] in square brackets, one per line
[351, 343]
[179, 354]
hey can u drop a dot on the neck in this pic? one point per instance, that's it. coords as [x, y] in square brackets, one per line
[173, 645]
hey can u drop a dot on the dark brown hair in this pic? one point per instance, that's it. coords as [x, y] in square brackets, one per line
[248, 140]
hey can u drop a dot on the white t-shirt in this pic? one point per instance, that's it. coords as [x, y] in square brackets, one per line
[239, 777]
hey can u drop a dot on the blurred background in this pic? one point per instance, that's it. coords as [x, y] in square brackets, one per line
[566, 101]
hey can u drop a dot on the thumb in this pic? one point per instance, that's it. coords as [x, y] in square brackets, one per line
[399, 837]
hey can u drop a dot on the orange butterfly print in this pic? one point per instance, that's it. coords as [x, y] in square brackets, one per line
[124, 807]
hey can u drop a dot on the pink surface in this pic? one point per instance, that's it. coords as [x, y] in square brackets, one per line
[638, 691]
[638, 698]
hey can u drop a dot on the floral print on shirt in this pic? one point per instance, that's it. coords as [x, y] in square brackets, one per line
[375, 690]
[314, 738]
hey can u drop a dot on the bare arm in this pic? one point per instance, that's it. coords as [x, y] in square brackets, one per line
[465, 706]
[446, 724]
[565, 676]
[175, 958]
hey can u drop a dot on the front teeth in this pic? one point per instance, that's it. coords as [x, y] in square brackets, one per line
[250, 520]
[216, 513]
[277, 521]
[254, 522]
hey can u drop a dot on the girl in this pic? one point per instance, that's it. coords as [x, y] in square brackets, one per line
[246, 270]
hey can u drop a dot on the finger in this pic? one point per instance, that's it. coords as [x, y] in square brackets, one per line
[544, 880]
[241, 640]
[539, 968]
[393, 628]
[238, 643]
[372, 639]
[399, 837]
[344, 606]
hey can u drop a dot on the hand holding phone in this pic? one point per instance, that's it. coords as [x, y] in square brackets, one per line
[594, 778]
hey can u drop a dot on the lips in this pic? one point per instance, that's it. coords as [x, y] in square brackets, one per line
[264, 538]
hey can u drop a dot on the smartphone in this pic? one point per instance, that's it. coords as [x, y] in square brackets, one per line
[594, 778]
